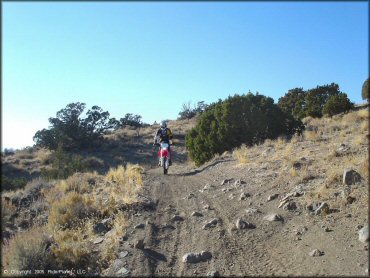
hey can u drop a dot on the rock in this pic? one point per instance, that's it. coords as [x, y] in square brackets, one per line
[177, 218]
[273, 217]
[116, 266]
[168, 226]
[24, 224]
[316, 253]
[244, 195]
[196, 214]
[213, 273]
[226, 181]
[290, 206]
[287, 196]
[239, 182]
[282, 203]
[241, 224]
[210, 224]
[272, 197]
[252, 211]
[191, 195]
[140, 226]
[7, 234]
[363, 234]
[122, 254]
[313, 206]
[123, 271]
[324, 207]
[350, 177]
[207, 187]
[207, 207]
[100, 228]
[350, 199]
[196, 257]
[139, 244]
[297, 165]
[98, 240]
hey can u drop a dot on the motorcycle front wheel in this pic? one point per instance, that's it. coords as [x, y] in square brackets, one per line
[165, 169]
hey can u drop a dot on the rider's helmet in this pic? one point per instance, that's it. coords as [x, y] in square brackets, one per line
[163, 124]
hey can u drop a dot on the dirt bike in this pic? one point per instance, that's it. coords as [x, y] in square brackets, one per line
[164, 156]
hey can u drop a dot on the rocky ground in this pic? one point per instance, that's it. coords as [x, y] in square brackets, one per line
[225, 210]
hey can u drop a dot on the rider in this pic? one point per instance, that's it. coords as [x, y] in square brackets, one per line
[164, 135]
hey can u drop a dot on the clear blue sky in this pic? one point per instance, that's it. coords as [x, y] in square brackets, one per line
[150, 58]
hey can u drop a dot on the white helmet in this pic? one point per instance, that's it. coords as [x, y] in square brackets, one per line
[164, 124]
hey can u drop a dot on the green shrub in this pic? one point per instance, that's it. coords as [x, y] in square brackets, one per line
[73, 132]
[246, 119]
[12, 183]
[310, 103]
[365, 90]
[64, 165]
[337, 104]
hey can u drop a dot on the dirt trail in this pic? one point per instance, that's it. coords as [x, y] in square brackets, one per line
[272, 248]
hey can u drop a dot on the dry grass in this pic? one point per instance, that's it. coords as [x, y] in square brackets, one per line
[28, 251]
[73, 247]
[81, 183]
[72, 209]
[125, 182]
[241, 154]
[310, 135]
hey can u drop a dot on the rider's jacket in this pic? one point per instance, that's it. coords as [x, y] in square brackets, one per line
[164, 135]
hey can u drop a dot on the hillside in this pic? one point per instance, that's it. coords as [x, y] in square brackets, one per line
[258, 210]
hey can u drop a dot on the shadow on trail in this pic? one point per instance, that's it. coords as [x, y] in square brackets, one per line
[154, 255]
[197, 171]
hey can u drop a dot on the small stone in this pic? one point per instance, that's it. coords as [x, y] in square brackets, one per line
[350, 199]
[350, 177]
[252, 211]
[290, 206]
[226, 181]
[207, 207]
[191, 195]
[177, 218]
[122, 254]
[273, 217]
[213, 273]
[140, 226]
[316, 253]
[282, 203]
[168, 226]
[123, 271]
[324, 207]
[98, 240]
[196, 214]
[244, 195]
[239, 182]
[241, 224]
[196, 257]
[139, 244]
[210, 224]
[327, 230]
[363, 234]
[272, 197]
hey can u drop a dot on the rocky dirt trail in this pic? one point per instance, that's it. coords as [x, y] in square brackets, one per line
[221, 208]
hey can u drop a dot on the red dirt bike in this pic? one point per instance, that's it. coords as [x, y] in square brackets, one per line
[164, 155]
